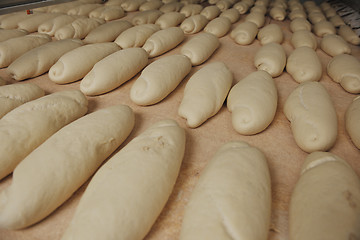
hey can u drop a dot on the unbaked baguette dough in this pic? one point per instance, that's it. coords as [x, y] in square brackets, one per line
[334, 217]
[194, 24]
[300, 24]
[108, 13]
[29, 125]
[119, 195]
[51, 26]
[75, 64]
[301, 38]
[271, 58]
[83, 9]
[257, 18]
[173, 6]
[170, 19]
[333, 45]
[349, 35]
[270, 33]
[13, 48]
[114, 70]
[303, 64]
[136, 36]
[6, 34]
[210, 12]
[312, 115]
[159, 79]
[219, 26]
[244, 33]
[146, 17]
[78, 28]
[352, 119]
[191, 9]
[199, 48]
[253, 102]
[163, 41]
[205, 93]
[10, 21]
[345, 69]
[40, 59]
[232, 14]
[323, 28]
[232, 198]
[32, 24]
[150, 5]
[14, 95]
[50, 174]
[63, 7]
[132, 5]
[107, 32]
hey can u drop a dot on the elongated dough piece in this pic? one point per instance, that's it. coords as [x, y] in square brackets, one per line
[303, 38]
[132, 5]
[191, 9]
[29, 125]
[78, 28]
[300, 24]
[242, 7]
[64, 7]
[40, 59]
[270, 33]
[127, 208]
[2, 81]
[253, 102]
[136, 36]
[14, 95]
[32, 24]
[348, 35]
[107, 32]
[150, 5]
[232, 199]
[244, 33]
[333, 45]
[6, 34]
[271, 58]
[163, 41]
[312, 115]
[108, 13]
[258, 9]
[194, 24]
[297, 13]
[257, 18]
[59, 166]
[277, 13]
[232, 14]
[345, 69]
[159, 79]
[199, 48]
[10, 21]
[219, 26]
[323, 28]
[173, 6]
[224, 5]
[205, 93]
[352, 119]
[170, 19]
[210, 12]
[325, 174]
[303, 64]
[337, 21]
[83, 9]
[13, 48]
[75, 64]
[316, 17]
[146, 17]
[51, 26]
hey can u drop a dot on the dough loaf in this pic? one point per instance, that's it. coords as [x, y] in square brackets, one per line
[333, 45]
[323, 28]
[108, 13]
[32, 24]
[244, 33]
[194, 24]
[219, 26]
[170, 19]
[191, 9]
[150, 5]
[132, 5]
[171, 6]
[79, 28]
[352, 119]
[210, 12]
[146, 17]
[6, 34]
[270, 33]
[52, 25]
[271, 58]
[303, 38]
[257, 18]
[348, 35]
[232, 14]
[136, 36]
[83, 9]
[277, 13]
[300, 24]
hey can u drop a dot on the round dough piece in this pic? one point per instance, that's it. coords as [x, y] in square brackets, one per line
[303, 38]
[146, 17]
[170, 19]
[323, 28]
[352, 119]
[270, 33]
[300, 24]
[349, 35]
[219, 26]
[244, 33]
[136, 36]
[257, 18]
[313, 118]
[210, 12]
[258, 9]
[271, 58]
[334, 45]
[194, 24]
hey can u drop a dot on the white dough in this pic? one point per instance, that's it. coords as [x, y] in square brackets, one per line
[244, 33]
[136, 36]
[271, 58]
[232, 14]
[194, 24]
[270, 33]
[150, 5]
[277, 13]
[352, 119]
[334, 45]
[83, 9]
[132, 5]
[257, 18]
[79, 28]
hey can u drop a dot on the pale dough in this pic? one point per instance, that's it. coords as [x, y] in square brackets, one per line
[79, 28]
[316, 17]
[337, 21]
[244, 33]
[349, 35]
[163, 41]
[258, 9]
[30, 124]
[51, 26]
[277, 13]
[150, 5]
[159, 79]
[10, 21]
[313, 118]
[75, 64]
[50, 174]
[224, 5]
[325, 174]
[345, 69]
[170, 19]
[330, 12]
[352, 119]
[14, 95]
[200, 48]
[32, 24]
[173, 6]
[303, 64]
[334, 45]
[271, 58]
[6, 34]
[2, 81]
[300, 24]
[136, 36]
[63, 7]
[323, 28]
[297, 13]
[233, 191]
[301, 38]
[194, 24]
[242, 7]
[253, 102]
[232, 14]
[191, 9]
[257, 18]
[205, 93]
[219, 26]
[270, 33]
[40, 59]
[132, 5]
[146, 17]
[83, 9]
[108, 13]
[114, 70]
[119, 195]
[210, 12]
[13, 48]
[107, 32]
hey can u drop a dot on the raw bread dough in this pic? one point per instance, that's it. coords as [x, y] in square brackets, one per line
[244, 33]
[75, 64]
[2, 81]
[337, 21]
[14, 95]
[232, 14]
[325, 174]
[6, 34]
[40, 59]
[173, 6]
[50, 174]
[108, 13]
[352, 119]
[219, 26]
[51, 26]
[253, 102]
[150, 5]
[119, 195]
[303, 64]
[334, 45]
[277, 13]
[194, 24]
[136, 36]
[210, 12]
[107, 32]
[233, 191]
[330, 12]
[83, 9]
[257, 18]
[114, 2]
[63, 7]
[323, 28]
[10, 21]
[114, 70]
[32, 24]
[13, 48]
[349, 35]
[345, 69]
[199, 48]
[78, 28]
[224, 5]
[316, 17]
[300, 24]
[159, 79]
[170, 19]
[270, 33]
[312, 115]
[146, 17]
[271, 58]
[191, 9]
[297, 13]
[163, 41]
[303, 38]
[258, 9]
[132, 5]
[205, 93]
[30, 124]
[242, 7]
